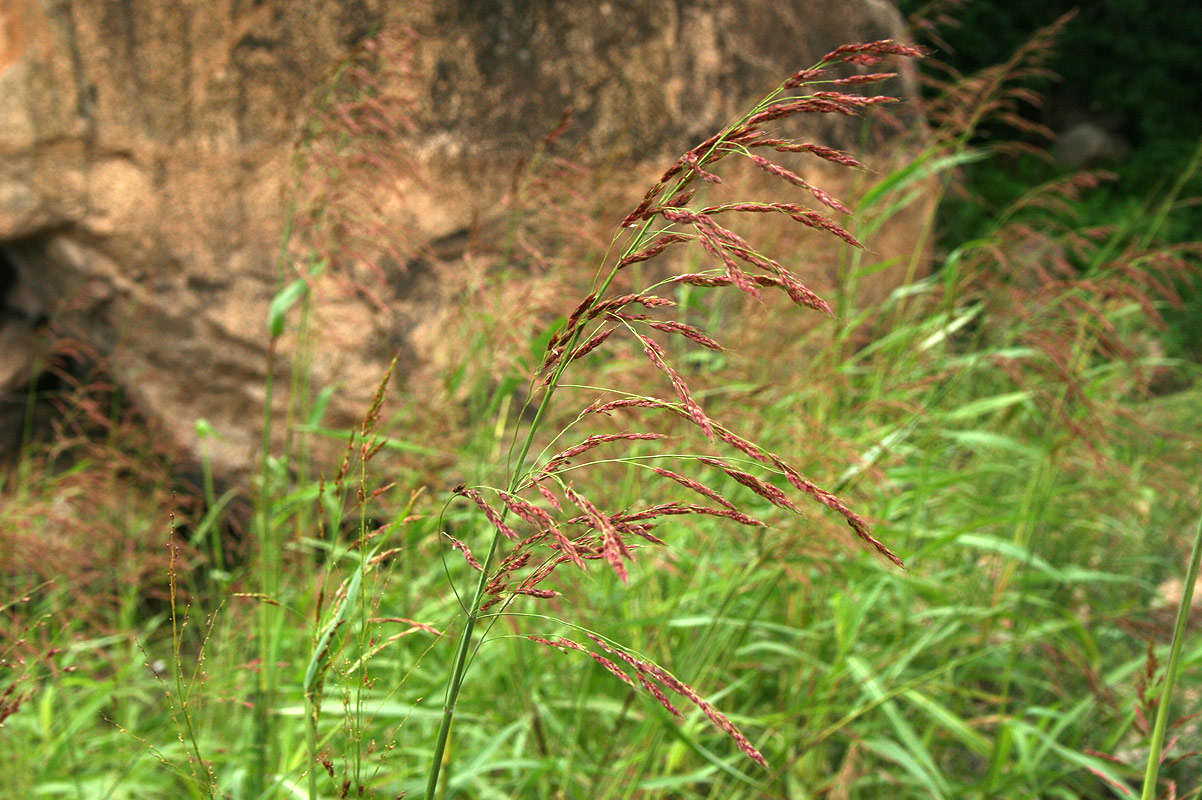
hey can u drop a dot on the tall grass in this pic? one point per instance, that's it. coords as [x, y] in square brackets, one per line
[994, 423]
[666, 217]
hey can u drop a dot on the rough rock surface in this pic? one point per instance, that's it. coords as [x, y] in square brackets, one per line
[148, 165]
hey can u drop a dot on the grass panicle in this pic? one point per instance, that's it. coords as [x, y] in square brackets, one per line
[663, 220]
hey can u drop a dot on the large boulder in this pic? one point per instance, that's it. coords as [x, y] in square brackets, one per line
[155, 155]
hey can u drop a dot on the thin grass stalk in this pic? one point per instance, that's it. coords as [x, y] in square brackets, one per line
[300, 397]
[461, 655]
[267, 582]
[311, 747]
[1156, 745]
[269, 560]
[181, 697]
[210, 496]
[364, 632]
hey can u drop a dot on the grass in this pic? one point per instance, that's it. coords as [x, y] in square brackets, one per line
[994, 423]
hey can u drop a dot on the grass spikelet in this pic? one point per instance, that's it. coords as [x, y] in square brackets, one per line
[657, 247]
[693, 160]
[589, 346]
[828, 499]
[561, 458]
[858, 80]
[687, 331]
[655, 354]
[825, 153]
[467, 552]
[772, 168]
[683, 509]
[489, 512]
[618, 303]
[614, 549]
[625, 402]
[549, 496]
[737, 276]
[785, 281]
[871, 52]
[543, 521]
[696, 486]
[762, 488]
[681, 688]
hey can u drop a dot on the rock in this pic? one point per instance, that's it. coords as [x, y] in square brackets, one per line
[1087, 144]
[150, 153]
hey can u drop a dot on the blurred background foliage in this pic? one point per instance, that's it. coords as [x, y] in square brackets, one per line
[1130, 66]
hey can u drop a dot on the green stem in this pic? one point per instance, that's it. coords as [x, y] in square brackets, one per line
[269, 556]
[268, 561]
[311, 744]
[1166, 695]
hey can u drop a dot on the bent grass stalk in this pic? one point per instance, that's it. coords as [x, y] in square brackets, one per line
[672, 207]
[1156, 746]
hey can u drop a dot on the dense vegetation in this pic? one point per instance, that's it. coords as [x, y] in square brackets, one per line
[1128, 66]
[1008, 422]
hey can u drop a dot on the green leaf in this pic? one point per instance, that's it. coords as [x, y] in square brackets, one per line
[320, 404]
[922, 167]
[987, 405]
[280, 304]
[960, 729]
[908, 751]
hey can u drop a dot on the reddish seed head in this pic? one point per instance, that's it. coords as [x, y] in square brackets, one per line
[544, 594]
[760, 487]
[658, 673]
[655, 354]
[560, 643]
[657, 246]
[872, 77]
[781, 172]
[613, 548]
[693, 162]
[626, 402]
[696, 486]
[882, 47]
[549, 496]
[543, 521]
[802, 77]
[687, 331]
[489, 512]
[562, 458]
[574, 319]
[737, 276]
[829, 500]
[589, 346]
[645, 300]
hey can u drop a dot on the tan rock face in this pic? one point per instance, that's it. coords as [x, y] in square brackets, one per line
[153, 153]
